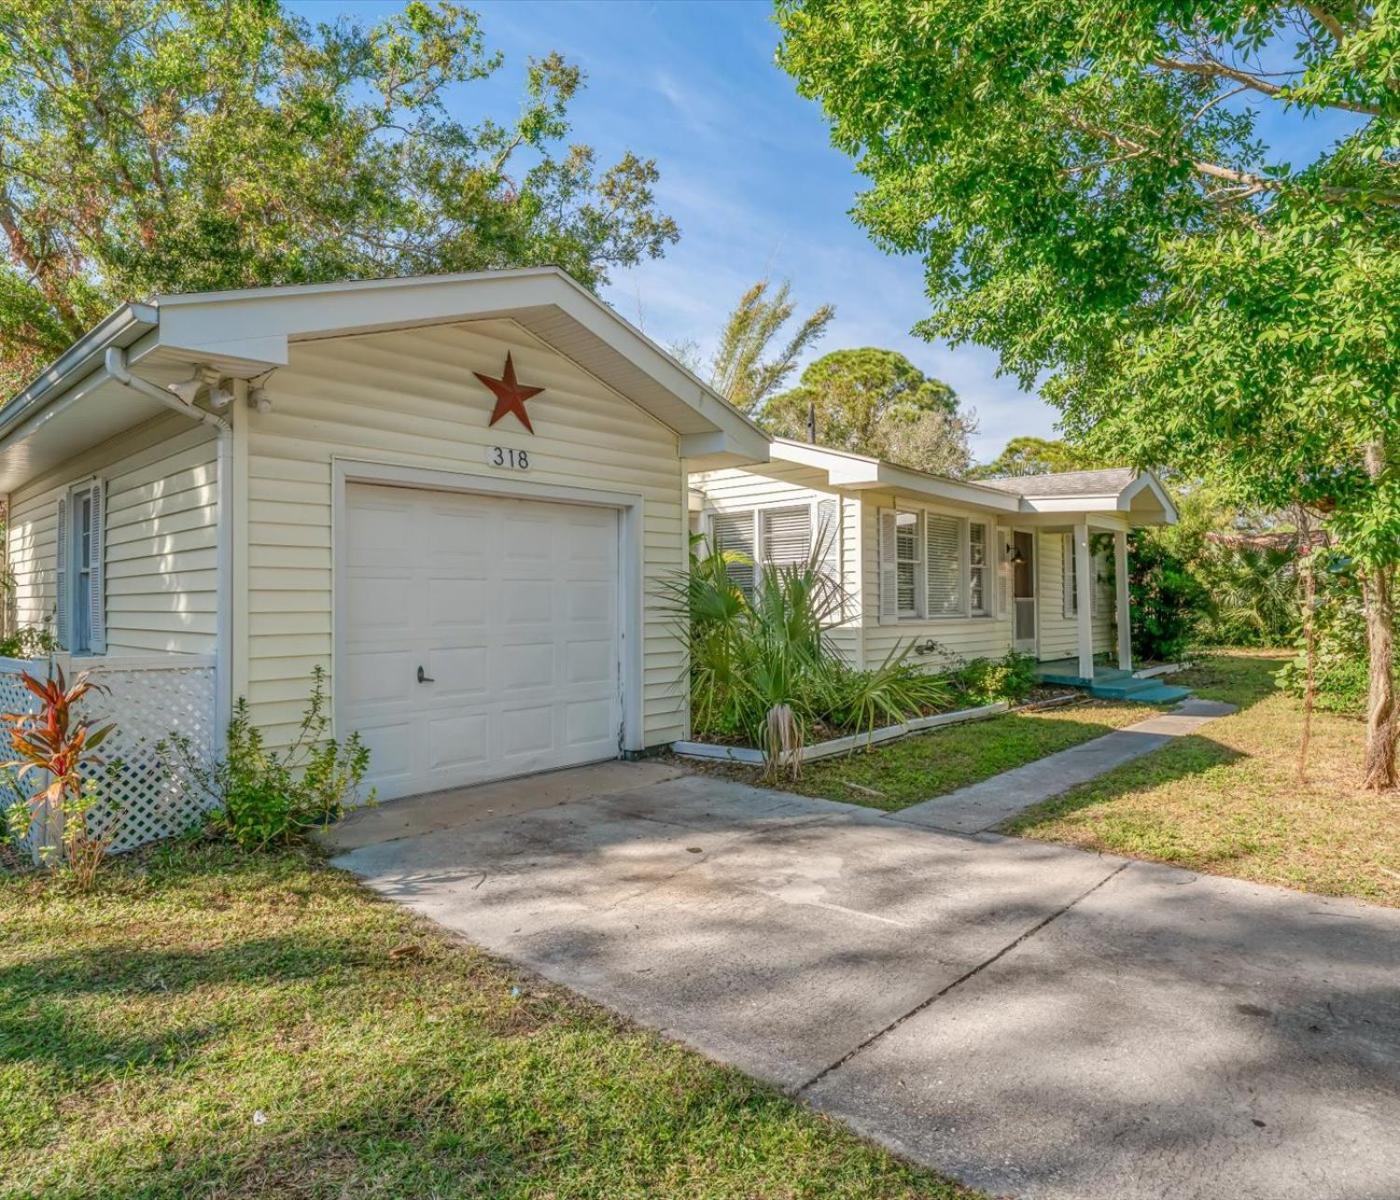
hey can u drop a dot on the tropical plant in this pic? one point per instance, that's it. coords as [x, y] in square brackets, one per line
[876, 402]
[55, 740]
[987, 680]
[762, 669]
[1164, 599]
[747, 369]
[259, 797]
[1252, 594]
[193, 145]
[1131, 204]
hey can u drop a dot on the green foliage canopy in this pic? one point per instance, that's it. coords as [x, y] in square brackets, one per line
[187, 145]
[1088, 189]
[1036, 456]
[876, 402]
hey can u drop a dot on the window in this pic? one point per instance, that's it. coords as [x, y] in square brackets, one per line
[80, 603]
[934, 565]
[733, 531]
[787, 534]
[1098, 568]
[978, 567]
[907, 559]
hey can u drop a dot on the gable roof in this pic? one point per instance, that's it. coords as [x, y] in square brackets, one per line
[245, 333]
[1067, 483]
[1138, 494]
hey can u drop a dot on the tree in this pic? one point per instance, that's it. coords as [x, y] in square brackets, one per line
[876, 402]
[187, 145]
[1035, 456]
[1088, 189]
[740, 372]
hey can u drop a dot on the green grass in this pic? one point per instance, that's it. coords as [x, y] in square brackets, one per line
[1228, 800]
[214, 1024]
[898, 774]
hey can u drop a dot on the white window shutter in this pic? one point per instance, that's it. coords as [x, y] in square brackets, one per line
[97, 592]
[828, 536]
[733, 531]
[1000, 540]
[947, 595]
[61, 575]
[787, 535]
[1071, 583]
[889, 576]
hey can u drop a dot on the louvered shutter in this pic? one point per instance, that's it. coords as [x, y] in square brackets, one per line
[787, 535]
[945, 566]
[97, 605]
[61, 575]
[889, 576]
[828, 541]
[1003, 537]
[1071, 594]
[733, 532]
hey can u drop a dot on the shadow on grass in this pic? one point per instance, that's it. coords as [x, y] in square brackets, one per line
[1183, 758]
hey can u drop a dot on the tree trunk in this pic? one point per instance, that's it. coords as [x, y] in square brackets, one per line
[1310, 648]
[1380, 708]
[1380, 636]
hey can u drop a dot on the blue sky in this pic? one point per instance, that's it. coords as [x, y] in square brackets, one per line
[749, 174]
[746, 170]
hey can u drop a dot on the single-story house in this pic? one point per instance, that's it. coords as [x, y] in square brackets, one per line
[457, 495]
[959, 569]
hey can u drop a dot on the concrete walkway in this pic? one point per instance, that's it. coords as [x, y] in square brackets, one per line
[983, 805]
[1033, 1019]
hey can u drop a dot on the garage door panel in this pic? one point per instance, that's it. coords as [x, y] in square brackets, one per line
[510, 606]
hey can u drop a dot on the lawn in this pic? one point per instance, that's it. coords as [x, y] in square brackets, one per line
[898, 774]
[1228, 801]
[215, 1024]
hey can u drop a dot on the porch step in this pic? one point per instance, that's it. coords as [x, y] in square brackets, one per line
[1111, 684]
[1156, 693]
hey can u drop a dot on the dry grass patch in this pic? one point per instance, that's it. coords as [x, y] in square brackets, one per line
[1228, 800]
[208, 1023]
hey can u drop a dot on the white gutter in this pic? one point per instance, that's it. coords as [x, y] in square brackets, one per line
[115, 363]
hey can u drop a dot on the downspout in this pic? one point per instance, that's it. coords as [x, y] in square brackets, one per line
[115, 362]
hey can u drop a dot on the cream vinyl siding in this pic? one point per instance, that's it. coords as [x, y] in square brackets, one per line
[162, 494]
[409, 397]
[1059, 636]
[776, 485]
[961, 638]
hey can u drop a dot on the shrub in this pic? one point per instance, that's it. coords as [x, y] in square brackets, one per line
[1252, 594]
[54, 740]
[29, 641]
[1342, 674]
[1165, 600]
[262, 797]
[987, 680]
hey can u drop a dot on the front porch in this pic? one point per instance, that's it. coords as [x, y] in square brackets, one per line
[1108, 683]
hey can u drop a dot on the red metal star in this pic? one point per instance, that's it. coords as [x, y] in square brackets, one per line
[510, 396]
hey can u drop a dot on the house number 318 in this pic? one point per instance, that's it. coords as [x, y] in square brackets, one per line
[504, 456]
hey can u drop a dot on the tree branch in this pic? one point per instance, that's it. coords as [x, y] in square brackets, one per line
[1213, 69]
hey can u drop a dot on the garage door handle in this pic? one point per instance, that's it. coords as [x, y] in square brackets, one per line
[425, 678]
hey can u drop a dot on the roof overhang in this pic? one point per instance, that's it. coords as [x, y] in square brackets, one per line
[858, 472]
[74, 404]
[1144, 501]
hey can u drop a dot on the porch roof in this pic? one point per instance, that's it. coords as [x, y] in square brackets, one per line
[1135, 496]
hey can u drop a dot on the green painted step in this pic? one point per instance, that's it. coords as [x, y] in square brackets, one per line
[1157, 693]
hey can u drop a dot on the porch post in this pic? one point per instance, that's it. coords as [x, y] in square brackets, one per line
[1124, 616]
[1084, 593]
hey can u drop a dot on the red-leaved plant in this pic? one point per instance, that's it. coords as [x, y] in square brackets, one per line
[54, 739]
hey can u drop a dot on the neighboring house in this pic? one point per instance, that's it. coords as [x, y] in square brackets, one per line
[457, 495]
[959, 569]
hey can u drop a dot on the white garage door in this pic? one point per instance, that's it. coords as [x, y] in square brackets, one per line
[508, 609]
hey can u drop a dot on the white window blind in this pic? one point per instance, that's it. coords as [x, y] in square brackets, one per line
[733, 532]
[945, 563]
[907, 560]
[787, 534]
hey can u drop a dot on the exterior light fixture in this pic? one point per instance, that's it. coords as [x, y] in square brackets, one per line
[260, 399]
[188, 389]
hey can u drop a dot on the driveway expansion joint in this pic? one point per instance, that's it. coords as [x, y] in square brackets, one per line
[958, 982]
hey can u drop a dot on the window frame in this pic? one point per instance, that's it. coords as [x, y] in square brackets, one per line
[920, 580]
[987, 569]
[80, 556]
[759, 514]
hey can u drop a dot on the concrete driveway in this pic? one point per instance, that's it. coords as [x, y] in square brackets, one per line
[1035, 1020]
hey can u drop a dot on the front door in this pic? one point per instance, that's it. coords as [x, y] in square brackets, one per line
[1023, 591]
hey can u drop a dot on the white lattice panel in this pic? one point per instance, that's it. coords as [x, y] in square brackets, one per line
[148, 703]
